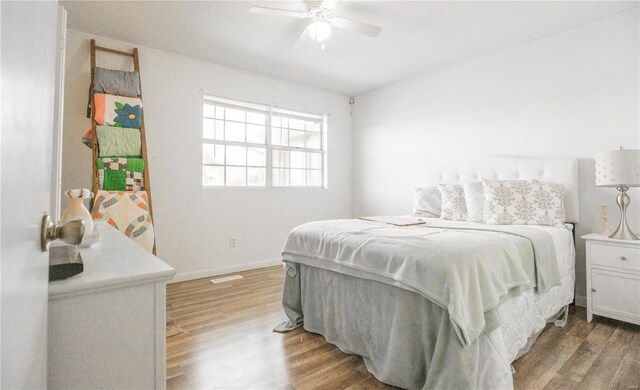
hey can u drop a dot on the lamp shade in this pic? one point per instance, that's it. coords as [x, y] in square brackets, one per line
[618, 167]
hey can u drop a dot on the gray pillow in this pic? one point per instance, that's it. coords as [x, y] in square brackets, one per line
[116, 82]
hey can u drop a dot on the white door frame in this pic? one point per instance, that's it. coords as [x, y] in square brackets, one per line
[58, 114]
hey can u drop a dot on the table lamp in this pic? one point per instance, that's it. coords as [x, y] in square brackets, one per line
[619, 169]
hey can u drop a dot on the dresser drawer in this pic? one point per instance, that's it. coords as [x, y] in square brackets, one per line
[614, 256]
[615, 294]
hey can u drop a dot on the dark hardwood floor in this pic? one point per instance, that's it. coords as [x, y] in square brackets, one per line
[228, 343]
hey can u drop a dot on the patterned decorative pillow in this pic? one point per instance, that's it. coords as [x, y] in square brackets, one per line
[427, 202]
[522, 202]
[550, 196]
[474, 199]
[454, 207]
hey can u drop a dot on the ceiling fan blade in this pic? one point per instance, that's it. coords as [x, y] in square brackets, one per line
[277, 12]
[359, 27]
[303, 37]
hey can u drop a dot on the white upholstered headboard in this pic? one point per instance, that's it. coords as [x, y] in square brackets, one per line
[553, 170]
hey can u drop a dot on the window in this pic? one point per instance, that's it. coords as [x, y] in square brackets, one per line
[252, 145]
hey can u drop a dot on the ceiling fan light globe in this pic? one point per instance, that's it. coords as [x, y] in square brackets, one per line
[320, 31]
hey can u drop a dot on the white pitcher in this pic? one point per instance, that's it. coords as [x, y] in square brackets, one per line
[77, 211]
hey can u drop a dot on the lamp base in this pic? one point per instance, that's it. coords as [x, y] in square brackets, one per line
[623, 232]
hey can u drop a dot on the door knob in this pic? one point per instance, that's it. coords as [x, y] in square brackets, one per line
[71, 232]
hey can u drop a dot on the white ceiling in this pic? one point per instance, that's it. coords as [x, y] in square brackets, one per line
[417, 37]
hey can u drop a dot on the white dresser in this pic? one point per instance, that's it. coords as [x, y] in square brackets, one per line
[107, 325]
[613, 278]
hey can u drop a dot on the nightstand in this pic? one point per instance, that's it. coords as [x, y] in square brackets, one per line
[613, 278]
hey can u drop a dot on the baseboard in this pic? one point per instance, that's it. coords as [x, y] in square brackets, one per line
[184, 276]
[581, 301]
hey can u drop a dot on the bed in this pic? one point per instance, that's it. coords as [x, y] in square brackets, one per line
[446, 304]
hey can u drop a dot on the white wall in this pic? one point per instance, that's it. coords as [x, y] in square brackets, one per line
[193, 225]
[571, 94]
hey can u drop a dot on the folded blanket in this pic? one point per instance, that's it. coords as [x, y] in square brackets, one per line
[87, 138]
[116, 82]
[465, 270]
[119, 141]
[127, 212]
[119, 111]
[120, 174]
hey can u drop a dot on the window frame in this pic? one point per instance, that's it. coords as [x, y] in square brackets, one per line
[268, 146]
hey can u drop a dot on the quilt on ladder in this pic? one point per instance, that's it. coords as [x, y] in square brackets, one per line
[127, 211]
[121, 174]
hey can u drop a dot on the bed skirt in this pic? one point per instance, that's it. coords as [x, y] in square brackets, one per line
[405, 340]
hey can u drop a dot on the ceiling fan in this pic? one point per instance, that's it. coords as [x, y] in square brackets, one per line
[322, 20]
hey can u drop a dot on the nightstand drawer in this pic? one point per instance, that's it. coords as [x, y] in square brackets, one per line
[614, 256]
[615, 294]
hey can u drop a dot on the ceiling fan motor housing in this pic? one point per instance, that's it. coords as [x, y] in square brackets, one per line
[319, 13]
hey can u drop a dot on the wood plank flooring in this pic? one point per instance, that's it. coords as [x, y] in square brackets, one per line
[228, 343]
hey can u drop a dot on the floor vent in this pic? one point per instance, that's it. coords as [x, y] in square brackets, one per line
[226, 279]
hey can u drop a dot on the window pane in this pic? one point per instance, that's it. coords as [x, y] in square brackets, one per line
[256, 134]
[314, 160]
[312, 126]
[232, 114]
[275, 136]
[298, 177]
[236, 176]
[313, 140]
[219, 112]
[298, 160]
[256, 157]
[219, 130]
[285, 122]
[281, 158]
[212, 154]
[284, 137]
[280, 177]
[208, 129]
[256, 117]
[314, 178]
[212, 176]
[209, 110]
[296, 138]
[256, 176]
[234, 131]
[236, 155]
[296, 124]
[275, 121]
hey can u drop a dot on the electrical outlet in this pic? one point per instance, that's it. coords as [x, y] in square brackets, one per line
[232, 242]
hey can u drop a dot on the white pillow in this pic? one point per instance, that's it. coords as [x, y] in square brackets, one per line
[453, 203]
[521, 202]
[474, 199]
[427, 202]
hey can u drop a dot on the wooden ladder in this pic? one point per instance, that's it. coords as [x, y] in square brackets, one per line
[143, 138]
